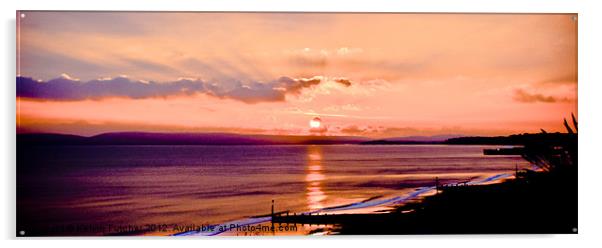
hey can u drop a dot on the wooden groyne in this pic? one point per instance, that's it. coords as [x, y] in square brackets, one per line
[329, 219]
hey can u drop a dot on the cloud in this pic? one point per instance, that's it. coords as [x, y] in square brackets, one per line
[84, 22]
[149, 65]
[562, 79]
[66, 88]
[400, 131]
[521, 95]
[356, 62]
[354, 130]
[343, 81]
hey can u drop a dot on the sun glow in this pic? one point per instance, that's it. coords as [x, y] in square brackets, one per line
[315, 123]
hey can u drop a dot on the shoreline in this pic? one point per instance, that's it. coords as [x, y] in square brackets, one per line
[391, 203]
[532, 203]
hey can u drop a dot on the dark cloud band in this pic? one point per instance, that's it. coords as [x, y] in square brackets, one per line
[526, 97]
[68, 89]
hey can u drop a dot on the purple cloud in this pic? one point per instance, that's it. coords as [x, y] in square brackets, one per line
[526, 97]
[68, 89]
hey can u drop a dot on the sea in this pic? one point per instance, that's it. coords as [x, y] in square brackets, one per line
[165, 190]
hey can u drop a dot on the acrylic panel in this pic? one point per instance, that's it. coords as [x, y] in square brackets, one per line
[292, 123]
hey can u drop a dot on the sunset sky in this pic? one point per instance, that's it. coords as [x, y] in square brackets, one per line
[375, 75]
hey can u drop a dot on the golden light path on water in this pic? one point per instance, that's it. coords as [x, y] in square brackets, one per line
[314, 177]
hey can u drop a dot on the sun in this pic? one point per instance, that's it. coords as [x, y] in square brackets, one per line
[315, 123]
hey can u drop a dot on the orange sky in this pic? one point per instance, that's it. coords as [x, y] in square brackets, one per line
[378, 75]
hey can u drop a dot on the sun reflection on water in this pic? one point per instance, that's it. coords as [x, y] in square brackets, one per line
[314, 178]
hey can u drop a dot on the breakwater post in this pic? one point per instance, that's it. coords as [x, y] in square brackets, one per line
[272, 219]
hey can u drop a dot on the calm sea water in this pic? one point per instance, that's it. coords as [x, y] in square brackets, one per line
[87, 187]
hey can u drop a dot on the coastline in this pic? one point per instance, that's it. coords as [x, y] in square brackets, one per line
[531, 203]
[542, 201]
[369, 208]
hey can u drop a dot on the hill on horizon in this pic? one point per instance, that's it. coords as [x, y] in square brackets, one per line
[151, 138]
[416, 139]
